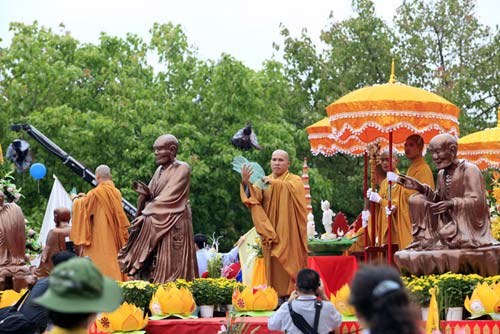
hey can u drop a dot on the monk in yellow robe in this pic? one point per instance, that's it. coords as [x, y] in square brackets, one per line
[419, 170]
[382, 199]
[279, 214]
[56, 241]
[100, 226]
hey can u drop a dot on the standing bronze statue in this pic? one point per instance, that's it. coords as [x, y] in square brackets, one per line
[451, 226]
[161, 243]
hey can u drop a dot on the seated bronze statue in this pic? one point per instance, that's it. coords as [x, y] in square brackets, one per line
[454, 217]
[456, 214]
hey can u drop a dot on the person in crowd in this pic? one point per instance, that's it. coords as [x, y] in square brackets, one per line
[76, 292]
[303, 301]
[381, 301]
[100, 226]
[56, 241]
[161, 245]
[456, 215]
[279, 215]
[37, 313]
[203, 254]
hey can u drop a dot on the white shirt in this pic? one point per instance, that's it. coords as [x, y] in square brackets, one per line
[329, 318]
[204, 255]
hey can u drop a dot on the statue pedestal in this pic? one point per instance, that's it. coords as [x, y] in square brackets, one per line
[16, 277]
[484, 261]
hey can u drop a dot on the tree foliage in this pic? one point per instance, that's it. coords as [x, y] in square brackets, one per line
[105, 102]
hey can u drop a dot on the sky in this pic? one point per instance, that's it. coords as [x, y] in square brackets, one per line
[244, 29]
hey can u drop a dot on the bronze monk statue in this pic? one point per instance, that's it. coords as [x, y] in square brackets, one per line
[451, 226]
[14, 273]
[56, 241]
[456, 214]
[161, 243]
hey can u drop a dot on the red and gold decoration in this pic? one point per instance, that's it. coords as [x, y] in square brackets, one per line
[341, 301]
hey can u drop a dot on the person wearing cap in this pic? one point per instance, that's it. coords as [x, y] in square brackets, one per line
[381, 301]
[77, 291]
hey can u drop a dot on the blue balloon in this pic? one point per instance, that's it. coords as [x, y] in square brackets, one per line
[38, 171]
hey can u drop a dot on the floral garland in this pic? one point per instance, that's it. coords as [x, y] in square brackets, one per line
[9, 189]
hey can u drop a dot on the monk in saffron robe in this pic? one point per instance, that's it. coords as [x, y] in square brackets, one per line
[100, 226]
[382, 199]
[161, 245]
[419, 170]
[456, 215]
[280, 217]
[56, 241]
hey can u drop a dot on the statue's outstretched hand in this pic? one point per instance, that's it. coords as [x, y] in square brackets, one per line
[409, 182]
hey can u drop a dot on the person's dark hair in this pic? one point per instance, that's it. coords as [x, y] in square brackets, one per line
[61, 257]
[200, 240]
[69, 320]
[307, 280]
[380, 298]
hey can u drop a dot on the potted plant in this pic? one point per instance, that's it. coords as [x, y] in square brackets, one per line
[206, 293]
[138, 293]
[452, 290]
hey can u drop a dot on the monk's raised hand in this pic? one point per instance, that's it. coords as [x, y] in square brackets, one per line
[246, 173]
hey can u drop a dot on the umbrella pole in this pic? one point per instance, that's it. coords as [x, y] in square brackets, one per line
[389, 205]
[365, 189]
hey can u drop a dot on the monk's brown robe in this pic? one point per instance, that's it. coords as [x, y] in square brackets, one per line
[100, 227]
[12, 235]
[279, 214]
[466, 224]
[161, 244]
[56, 242]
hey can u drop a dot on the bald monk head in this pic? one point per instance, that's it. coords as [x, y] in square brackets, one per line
[279, 163]
[61, 215]
[102, 173]
[444, 148]
[384, 160]
[165, 149]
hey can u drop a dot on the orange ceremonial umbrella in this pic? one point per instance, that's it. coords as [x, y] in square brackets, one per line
[482, 148]
[323, 141]
[391, 111]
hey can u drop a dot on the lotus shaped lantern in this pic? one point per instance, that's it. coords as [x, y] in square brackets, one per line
[171, 300]
[485, 299]
[256, 299]
[341, 301]
[9, 297]
[127, 318]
